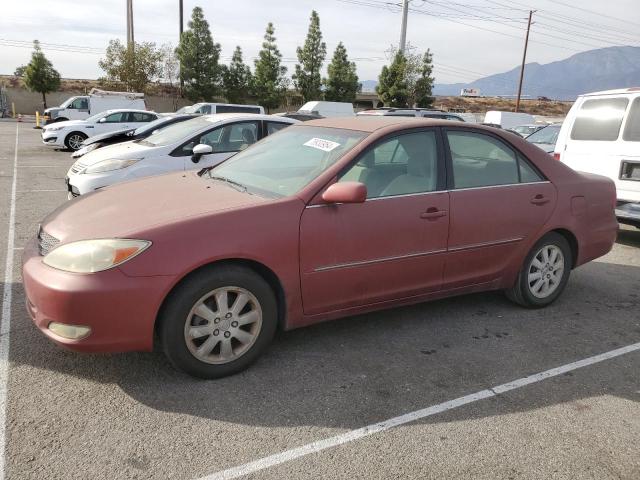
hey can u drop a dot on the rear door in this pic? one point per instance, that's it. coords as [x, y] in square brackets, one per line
[604, 138]
[498, 201]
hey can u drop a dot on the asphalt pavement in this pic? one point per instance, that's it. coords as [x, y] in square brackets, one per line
[121, 416]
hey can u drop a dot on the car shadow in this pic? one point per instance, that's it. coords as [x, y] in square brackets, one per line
[367, 368]
[629, 236]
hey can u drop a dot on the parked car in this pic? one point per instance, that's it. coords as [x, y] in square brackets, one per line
[213, 108]
[200, 142]
[303, 117]
[82, 107]
[601, 134]
[72, 133]
[128, 134]
[412, 112]
[508, 119]
[325, 219]
[328, 109]
[545, 138]
[526, 130]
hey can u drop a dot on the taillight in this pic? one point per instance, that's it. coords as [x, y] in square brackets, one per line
[556, 155]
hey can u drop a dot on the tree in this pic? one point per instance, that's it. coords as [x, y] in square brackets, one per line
[307, 78]
[133, 66]
[236, 78]
[20, 71]
[39, 75]
[424, 85]
[392, 86]
[269, 82]
[199, 57]
[170, 64]
[342, 83]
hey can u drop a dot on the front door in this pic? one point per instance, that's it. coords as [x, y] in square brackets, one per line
[391, 246]
[498, 201]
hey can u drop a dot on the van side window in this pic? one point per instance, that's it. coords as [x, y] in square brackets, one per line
[599, 119]
[632, 128]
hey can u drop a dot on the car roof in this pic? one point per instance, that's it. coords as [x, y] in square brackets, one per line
[618, 91]
[221, 117]
[135, 110]
[375, 122]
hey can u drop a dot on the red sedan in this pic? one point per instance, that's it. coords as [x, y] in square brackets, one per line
[326, 219]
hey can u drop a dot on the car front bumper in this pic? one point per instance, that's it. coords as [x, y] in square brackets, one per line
[83, 183]
[55, 139]
[120, 310]
[628, 213]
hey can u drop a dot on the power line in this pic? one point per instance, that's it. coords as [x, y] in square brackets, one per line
[597, 13]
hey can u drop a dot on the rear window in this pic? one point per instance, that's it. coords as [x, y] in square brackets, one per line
[632, 128]
[599, 119]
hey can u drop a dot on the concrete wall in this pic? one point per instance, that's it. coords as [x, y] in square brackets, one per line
[27, 102]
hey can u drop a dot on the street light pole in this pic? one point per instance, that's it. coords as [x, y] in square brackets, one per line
[130, 39]
[403, 29]
[524, 59]
[180, 38]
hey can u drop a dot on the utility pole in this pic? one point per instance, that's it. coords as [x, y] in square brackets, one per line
[180, 38]
[130, 39]
[524, 59]
[403, 29]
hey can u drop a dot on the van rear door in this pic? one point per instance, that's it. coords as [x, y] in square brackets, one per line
[600, 140]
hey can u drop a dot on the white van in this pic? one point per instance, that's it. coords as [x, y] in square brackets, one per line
[328, 109]
[601, 134]
[98, 101]
[508, 119]
[214, 108]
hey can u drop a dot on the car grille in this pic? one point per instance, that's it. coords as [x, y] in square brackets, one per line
[46, 242]
[76, 167]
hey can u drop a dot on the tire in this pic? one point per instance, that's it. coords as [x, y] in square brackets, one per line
[74, 140]
[531, 293]
[217, 343]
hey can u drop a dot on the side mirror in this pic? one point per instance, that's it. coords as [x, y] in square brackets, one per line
[102, 120]
[345, 192]
[199, 151]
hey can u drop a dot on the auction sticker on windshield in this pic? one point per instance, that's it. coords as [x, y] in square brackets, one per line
[320, 144]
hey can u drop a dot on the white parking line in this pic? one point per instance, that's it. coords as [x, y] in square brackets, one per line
[5, 322]
[289, 455]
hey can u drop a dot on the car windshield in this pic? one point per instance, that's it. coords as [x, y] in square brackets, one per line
[176, 132]
[284, 163]
[156, 124]
[548, 134]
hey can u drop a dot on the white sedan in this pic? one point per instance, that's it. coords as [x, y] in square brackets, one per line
[71, 133]
[193, 144]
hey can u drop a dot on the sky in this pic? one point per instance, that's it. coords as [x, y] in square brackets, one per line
[469, 38]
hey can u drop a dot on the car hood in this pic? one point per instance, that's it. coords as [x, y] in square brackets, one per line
[125, 150]
[66, 123]
[127, 209]
[107, 136]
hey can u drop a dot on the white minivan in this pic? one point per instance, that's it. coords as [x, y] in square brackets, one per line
[601, 134]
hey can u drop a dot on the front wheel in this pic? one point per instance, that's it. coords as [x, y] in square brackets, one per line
[545, 273]
[218, 321]
[74, 140]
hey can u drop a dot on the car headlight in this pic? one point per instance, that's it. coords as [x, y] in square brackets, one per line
[54, 129]
[110, 164]
[90, 256]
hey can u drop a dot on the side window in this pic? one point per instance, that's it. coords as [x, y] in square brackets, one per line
[632, 128]
[527, 172]
[206, 109]
[140, 117]
[228, 138]
[119, 117]
[80, 104]
[599, 119]
[273, 127]
[402, 165]
[481, 161]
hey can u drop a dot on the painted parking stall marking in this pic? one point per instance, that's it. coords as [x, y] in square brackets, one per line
[7, 298]
[314, 447]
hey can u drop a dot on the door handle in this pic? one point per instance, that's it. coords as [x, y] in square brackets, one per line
[540, 200]
[433, 213]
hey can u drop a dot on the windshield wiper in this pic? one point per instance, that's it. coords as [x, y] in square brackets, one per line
[242, 188]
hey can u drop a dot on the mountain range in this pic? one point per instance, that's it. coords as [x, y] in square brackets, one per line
[590, 71]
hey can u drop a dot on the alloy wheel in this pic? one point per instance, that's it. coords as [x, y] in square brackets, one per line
[75, 141]
[223, 325]
[545, 271]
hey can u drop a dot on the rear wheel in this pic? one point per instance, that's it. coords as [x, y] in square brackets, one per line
[545, 273]
[74, 140]
[218, 321]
